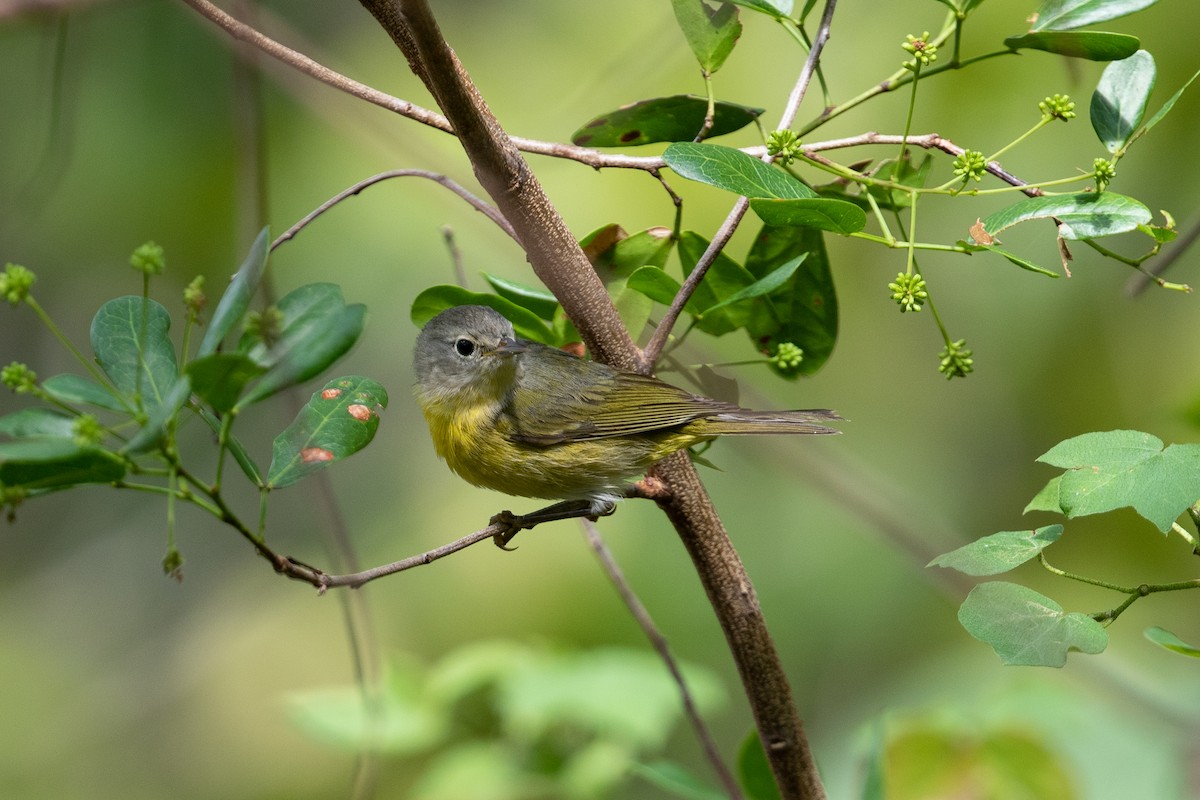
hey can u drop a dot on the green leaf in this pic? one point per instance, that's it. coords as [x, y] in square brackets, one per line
[724, 278]
[615, 254]
[436, 299]
[754, 771]
[676, 781]
[775, 8]
[764, 285]
[824, 213]
[999, 552]
[136, 366]
[318, 329]
[44, 462]
[236, 299]
[539, 301]
[75, 389]
[1012, 258]
[710, 32]
[236, 448]
[1083, 216]
[677, 118]
[1167, 106]
[1114, 469]
[335, 423]
[733, 171]
[1164, 638]
[36, 422]
[219, 379]
[160, 419]
[1048, 498]
[1120, 99]
[1092, 45]
[1061, 15]
[655, 284]
[804, 311]
[1026, 628]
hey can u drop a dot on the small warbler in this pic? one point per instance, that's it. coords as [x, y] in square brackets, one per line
[531, 420]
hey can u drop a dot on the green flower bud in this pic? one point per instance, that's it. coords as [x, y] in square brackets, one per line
[955, 360]
[86, 430]
[788, 357]
[909, 291]
[924, 53]
[265, 325]
[194, 299]
[1060, 106]
[15, 283]
[19, 378]
[149, 259]
[1103, 171]
[784, 145]
[971, 165]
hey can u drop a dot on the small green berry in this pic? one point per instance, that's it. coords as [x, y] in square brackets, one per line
[784, 145]
[1060, 106]
[86, 430]
[172, 563]
[15, 283]
[955, 360]
[10, 498]
[923, 51]
[788, 357]
[148, 258]
[1103, 171]
[909, 291]
[971, 165]
[19, 378]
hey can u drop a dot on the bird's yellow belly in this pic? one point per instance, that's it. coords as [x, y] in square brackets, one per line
[476, 444]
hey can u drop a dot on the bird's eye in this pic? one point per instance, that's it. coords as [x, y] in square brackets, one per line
[464, 347]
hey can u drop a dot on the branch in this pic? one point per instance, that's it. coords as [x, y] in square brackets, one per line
[659, 643]
[351, 191]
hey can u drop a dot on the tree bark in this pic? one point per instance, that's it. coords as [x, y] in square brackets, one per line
[559, 262]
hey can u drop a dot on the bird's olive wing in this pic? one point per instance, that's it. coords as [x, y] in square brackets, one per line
[559, 398]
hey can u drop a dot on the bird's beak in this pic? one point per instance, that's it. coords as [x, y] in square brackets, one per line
[509, 347]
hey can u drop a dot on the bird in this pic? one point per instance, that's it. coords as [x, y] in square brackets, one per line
[530, 420]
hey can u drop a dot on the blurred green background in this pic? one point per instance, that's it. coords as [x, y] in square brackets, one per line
[120, 123]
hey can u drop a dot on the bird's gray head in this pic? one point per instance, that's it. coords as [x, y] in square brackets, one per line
[457, 351]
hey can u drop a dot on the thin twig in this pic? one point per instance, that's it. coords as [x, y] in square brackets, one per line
[659, 643]
[658, 340]
[1181, 245]
[479, 205]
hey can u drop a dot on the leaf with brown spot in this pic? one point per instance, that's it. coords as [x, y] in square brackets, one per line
[677, 118]
[336, 422]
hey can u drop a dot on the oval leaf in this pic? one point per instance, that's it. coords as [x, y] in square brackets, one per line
[539, 301]
[1026, 628]
[678, 118]
[219, 379]
[999, 552]
[129, 337]
[754, 771]
[838, 216]
[436, 299]
[336, 422]
[1164, 638]
[804, 310]
[710, 32]
[321, 343]
[75, 389]
[36, 422]
[1084, 216]
[1012, 258]
[733, 171]
[1092, 45]
[1120, 99]
[44, 462]
[1060, 15]
[724, 278]
[655, 284]
[236, 298]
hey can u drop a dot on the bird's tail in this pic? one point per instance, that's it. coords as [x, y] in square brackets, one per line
[745, 421]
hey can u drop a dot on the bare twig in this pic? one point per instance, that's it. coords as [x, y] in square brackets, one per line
[1181, 245]
[659, 642]
[479, 205]
[658, 340]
